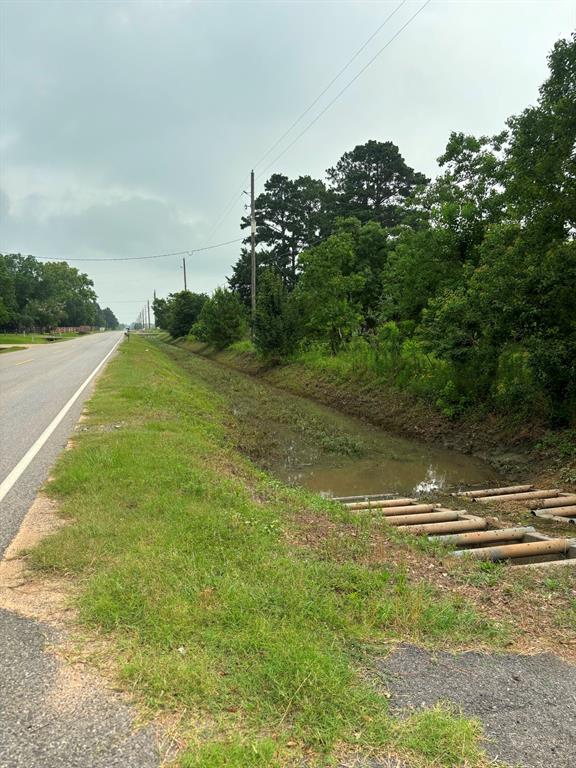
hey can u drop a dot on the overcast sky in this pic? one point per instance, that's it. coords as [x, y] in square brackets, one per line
[128, 127]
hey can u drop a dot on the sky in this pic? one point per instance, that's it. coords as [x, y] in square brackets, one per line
[130, 128]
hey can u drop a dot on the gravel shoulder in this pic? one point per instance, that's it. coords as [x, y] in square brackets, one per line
[526, 703]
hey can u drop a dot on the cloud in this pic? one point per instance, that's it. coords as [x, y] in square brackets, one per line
[127, 126]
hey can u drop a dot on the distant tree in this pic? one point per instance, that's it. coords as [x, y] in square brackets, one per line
[222, 320]
[277, 323]
[110, 319]
[184, 310]
[371, 182]
[160, 307]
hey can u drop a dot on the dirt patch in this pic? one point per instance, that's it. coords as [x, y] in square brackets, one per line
[23, 591]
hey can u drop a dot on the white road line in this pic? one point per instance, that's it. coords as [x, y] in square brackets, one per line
[23, 361]
[30, 454]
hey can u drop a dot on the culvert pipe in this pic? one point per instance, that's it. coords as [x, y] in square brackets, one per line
[427, 517]
[520, 496]
[412, 509]
[510, 551]
[453, 526]
[559, 511]
[379, 503]
[494, 491]
[484, 537]
[558, 501]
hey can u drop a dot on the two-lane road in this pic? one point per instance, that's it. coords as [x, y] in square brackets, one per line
[35, 385]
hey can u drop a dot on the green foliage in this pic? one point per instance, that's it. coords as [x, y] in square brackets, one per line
[276, 325]
[368, 182]
[43, 295]
[475, 271]
[180, 311]
[329, 291]
[222, 320]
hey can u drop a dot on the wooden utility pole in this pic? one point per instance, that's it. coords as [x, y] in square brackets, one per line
[184, 266]
[149, 325]
[252, 248]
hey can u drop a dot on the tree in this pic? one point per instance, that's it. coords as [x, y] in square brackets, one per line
[183, 311]
[222, 320]
[160, 307]
[290, 216]
[110, 321]
[276, 325]
[541, 162]
[329, 291]
[371, 182]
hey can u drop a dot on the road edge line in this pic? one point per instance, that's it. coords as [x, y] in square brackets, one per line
[13, 476]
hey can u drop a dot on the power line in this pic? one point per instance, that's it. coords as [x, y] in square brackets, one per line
[189, 251]
[228, 208]
[331, 83]
[343, 90]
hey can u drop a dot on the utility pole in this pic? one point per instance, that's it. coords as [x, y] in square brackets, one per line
[253, 248]
[148, 302]
[184, 266]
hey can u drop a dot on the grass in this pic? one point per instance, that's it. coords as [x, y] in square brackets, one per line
[30, 338]
[181, 556]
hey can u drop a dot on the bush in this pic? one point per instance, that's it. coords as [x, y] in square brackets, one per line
[222, 320]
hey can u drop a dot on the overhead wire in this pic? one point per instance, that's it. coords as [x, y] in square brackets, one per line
[187, 252]
[228, 208]
[343, 90]
[331, 83]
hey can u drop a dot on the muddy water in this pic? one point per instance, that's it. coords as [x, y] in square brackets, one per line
[385, 464]
[307, 444]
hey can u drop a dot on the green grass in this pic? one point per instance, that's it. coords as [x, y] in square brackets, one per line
[179, 548]
[29, 338]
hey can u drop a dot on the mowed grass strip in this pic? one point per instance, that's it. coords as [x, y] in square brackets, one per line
[179, 550]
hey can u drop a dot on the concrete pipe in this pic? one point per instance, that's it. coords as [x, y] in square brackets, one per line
[379, 503]
[508, 551]
[450, 527]
[558, 501]
[413, 509]
[427, 517]
[559, 511]
[495, 491]
[520, 496]
[484, 537]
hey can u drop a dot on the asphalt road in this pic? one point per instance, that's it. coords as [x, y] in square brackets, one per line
[42, 723]
[35, 383]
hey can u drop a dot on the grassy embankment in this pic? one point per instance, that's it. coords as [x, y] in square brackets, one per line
[344, 382]
[187, 558]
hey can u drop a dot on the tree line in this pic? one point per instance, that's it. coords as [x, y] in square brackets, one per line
[41, 296]
[461, 289]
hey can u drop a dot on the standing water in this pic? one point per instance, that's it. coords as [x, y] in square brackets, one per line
[307, 444]
[384, 464]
